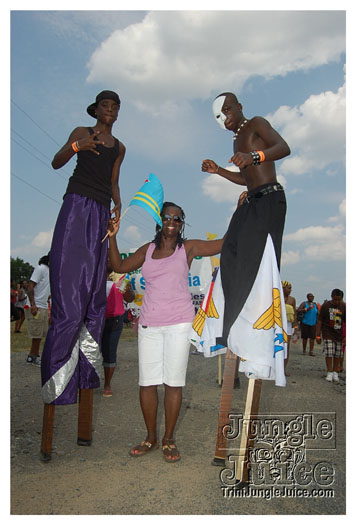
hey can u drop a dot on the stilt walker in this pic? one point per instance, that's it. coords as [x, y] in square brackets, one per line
[71, 357]
[258, 337]
[251, 319]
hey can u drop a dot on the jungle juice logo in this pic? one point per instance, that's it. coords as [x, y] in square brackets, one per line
[277, 457]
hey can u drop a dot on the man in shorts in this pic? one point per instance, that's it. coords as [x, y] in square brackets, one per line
[36, 309]
[331, 317]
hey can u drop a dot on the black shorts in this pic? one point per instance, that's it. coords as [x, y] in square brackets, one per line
[307, 331]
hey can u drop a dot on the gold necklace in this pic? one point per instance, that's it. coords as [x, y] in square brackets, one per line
[239, 129]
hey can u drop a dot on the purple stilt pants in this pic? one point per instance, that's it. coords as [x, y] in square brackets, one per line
[71, 355]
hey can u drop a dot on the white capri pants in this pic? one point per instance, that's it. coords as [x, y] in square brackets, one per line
[163, 353]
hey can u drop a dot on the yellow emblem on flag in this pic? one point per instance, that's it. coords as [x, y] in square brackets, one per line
[201, 315]
[272, 316]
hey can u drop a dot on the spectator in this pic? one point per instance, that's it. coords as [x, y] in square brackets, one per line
[329, 325]
[36, 312]
[20, 303]
[114, 318]
[308, 323]
[292, 326]
[14, 315]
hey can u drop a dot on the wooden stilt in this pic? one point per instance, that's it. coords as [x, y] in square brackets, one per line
[225, 406]
[219, 369]
[85, 416]
[251, 413]
[47, 432]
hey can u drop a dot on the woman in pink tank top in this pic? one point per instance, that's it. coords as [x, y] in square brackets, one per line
[165, 320]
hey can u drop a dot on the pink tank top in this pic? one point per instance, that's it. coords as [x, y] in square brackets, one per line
[167, 299]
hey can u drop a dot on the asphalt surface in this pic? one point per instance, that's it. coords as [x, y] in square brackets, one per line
[299, 468]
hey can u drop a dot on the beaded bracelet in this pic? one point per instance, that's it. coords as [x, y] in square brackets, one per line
[256, 159]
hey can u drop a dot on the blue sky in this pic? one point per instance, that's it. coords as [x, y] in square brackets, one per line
[167, 66]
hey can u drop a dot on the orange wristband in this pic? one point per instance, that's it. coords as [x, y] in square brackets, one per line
[75, 146]
[262, 156]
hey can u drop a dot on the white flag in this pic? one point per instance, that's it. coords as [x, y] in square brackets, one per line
[258, 336]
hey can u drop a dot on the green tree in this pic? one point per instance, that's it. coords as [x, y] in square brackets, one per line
[20, 270]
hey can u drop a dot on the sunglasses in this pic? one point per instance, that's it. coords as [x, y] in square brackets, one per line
[174, 218]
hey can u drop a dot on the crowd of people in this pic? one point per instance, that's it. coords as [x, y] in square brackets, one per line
[321, 323]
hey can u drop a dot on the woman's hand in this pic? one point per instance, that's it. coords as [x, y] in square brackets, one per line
[113, 227]
[242, 198]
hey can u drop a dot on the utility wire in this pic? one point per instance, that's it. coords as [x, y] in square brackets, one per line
[34, 187]
[37, 158]
[28, 116]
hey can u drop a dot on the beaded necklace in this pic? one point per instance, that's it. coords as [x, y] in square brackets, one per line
[239, 129]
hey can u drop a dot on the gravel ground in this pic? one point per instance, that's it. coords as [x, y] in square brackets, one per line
[104, 480]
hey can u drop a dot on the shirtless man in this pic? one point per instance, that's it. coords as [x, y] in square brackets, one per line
[256, 146]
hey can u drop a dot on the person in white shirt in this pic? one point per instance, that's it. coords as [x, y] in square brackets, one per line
[36, 308]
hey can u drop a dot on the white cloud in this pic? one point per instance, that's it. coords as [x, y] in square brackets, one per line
[290, 257]
[36, 248]
[342, 208]
[220, 189]
[184, 55]
[328, 251]
[317, 131]
[315, 233]
[320, 243]
[133, 234]
[42, 239]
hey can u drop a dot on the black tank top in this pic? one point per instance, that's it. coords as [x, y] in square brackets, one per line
[92, 174]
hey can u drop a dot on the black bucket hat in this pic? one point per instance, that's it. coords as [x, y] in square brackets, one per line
[111, 95]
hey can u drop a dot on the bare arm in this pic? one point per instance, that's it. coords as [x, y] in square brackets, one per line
[115, 182]
[234, 176]
[200, 248]
[31, 297]
[129, 264]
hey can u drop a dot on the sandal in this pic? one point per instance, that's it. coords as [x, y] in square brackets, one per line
[168, 446]
[143, 448]
[107, 393]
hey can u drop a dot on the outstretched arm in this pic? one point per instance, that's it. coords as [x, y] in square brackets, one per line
[200, 248]
[129, 264]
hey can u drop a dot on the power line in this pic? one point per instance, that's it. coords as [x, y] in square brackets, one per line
[34, 187]
[37, 158]
[139, 224]
[28, 116]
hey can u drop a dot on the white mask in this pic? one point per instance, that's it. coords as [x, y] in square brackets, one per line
[218, 114]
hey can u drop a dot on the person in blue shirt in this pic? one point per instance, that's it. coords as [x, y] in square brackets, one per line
[308, 323]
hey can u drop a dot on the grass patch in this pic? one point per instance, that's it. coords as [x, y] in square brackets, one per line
[21, 342]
